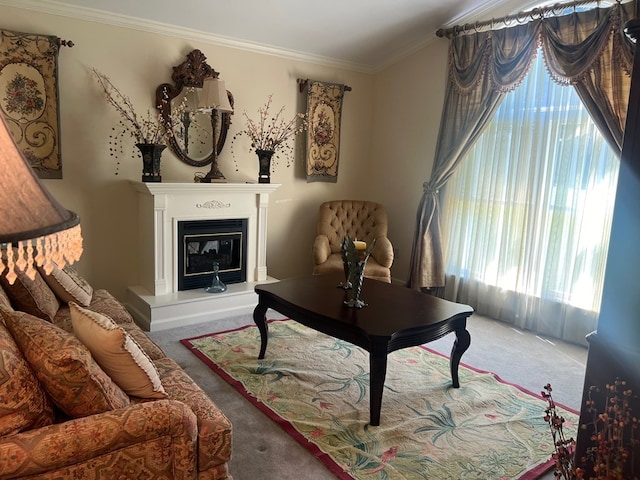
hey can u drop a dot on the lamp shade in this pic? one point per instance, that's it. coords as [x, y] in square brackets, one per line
[34, 227]
[214, 96]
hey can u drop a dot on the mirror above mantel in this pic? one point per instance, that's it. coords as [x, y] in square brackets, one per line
[192, 140]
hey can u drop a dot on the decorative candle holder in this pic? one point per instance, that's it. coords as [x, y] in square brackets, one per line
[346, 285]
[354, 256]
[217, 286]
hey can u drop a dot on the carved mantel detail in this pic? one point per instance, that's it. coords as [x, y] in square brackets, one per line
[213, 204]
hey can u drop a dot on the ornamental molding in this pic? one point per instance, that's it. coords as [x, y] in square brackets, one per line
[213, 204]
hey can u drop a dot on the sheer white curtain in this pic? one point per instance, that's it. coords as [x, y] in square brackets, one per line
[529, 213]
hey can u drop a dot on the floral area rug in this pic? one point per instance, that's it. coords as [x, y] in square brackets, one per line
[317, 388]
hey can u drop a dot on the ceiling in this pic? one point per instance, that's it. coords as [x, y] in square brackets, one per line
[361, 34]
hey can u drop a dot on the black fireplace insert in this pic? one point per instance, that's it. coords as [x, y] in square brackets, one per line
[205, 242]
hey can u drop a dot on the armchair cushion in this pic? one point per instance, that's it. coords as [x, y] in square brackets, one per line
[321, 249]
[383, 252]
[24, 403]
[64, 366]
[117, 353]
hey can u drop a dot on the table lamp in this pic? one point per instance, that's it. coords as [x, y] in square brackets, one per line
[34, 227]
[214, 99]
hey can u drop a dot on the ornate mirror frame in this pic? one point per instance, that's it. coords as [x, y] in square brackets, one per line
[191, 73]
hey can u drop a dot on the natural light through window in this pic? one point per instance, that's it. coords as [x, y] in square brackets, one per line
[529, 209]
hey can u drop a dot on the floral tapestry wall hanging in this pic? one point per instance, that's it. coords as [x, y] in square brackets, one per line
[324, 110]
[29, 97]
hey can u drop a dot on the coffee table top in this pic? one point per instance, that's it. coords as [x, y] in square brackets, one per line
[391, 308]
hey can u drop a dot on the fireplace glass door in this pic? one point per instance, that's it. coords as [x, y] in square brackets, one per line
[205, 242]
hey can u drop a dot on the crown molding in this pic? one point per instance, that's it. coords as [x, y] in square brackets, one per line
[480, 10]
[108, 18]
[485, 9]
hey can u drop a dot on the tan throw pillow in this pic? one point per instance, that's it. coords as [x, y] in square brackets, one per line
[117, 353]
[31, 296]
[68, 285]
[23, 403]
[64, 366]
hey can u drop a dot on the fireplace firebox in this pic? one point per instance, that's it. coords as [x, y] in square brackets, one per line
[201, 243]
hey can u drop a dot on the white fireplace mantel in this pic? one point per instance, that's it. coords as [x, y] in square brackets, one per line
[156, 303]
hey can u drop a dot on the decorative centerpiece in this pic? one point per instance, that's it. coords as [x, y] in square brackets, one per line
[217, 285]
[271, 135]
[148, 132]
[355, 254]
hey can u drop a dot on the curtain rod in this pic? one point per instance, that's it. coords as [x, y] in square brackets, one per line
[519, 18]
[302, 83]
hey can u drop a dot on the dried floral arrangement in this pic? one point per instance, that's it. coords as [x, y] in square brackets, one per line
[147, 128]
[272, 132]
[613, 437]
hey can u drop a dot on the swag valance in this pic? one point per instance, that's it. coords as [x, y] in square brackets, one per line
[571, 45]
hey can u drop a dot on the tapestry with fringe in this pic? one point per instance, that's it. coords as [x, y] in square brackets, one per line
[324, 110]
[29, 97]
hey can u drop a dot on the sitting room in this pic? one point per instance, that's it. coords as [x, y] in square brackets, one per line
[191, 236]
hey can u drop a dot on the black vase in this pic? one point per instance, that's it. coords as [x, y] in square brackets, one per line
[151, 153]
[264, 163]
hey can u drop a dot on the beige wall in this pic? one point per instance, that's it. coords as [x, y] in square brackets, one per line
[409, 97]
[390, 122]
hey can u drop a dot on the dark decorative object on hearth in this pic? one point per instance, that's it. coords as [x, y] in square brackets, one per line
[151, 153]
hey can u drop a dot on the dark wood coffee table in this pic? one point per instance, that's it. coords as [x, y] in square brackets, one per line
[396, 317]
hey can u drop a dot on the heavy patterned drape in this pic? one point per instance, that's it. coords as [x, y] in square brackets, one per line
[588, 50]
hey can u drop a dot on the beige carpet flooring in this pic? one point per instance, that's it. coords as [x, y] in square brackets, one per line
[263, 451]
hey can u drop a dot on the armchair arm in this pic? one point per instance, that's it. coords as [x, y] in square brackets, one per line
[383, 252]
[321, 249]
[162, 433]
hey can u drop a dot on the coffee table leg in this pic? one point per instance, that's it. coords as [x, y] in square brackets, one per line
[260, 320]
[377, 374]
[461, 344]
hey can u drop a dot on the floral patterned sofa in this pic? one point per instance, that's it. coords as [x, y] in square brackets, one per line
[84, 393]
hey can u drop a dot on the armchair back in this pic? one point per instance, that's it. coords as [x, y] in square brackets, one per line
[360, 220]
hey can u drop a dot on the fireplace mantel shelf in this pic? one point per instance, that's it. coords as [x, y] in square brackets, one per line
[162, 188]
[157, 303]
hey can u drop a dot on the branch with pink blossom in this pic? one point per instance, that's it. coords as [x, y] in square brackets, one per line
[272, 133]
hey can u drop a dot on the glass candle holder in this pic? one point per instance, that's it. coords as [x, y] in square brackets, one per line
[217, 286]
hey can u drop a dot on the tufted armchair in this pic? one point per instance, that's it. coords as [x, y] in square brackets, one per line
[360, 220]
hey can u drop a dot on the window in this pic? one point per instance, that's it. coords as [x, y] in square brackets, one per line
[529, 209]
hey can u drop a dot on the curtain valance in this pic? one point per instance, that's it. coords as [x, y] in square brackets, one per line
[571, 45]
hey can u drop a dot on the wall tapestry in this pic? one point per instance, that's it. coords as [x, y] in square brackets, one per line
[29, 97]
[324, 110]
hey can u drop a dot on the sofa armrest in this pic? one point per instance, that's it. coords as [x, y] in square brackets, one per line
[383, 252]
[155, 439]
[321, 249]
